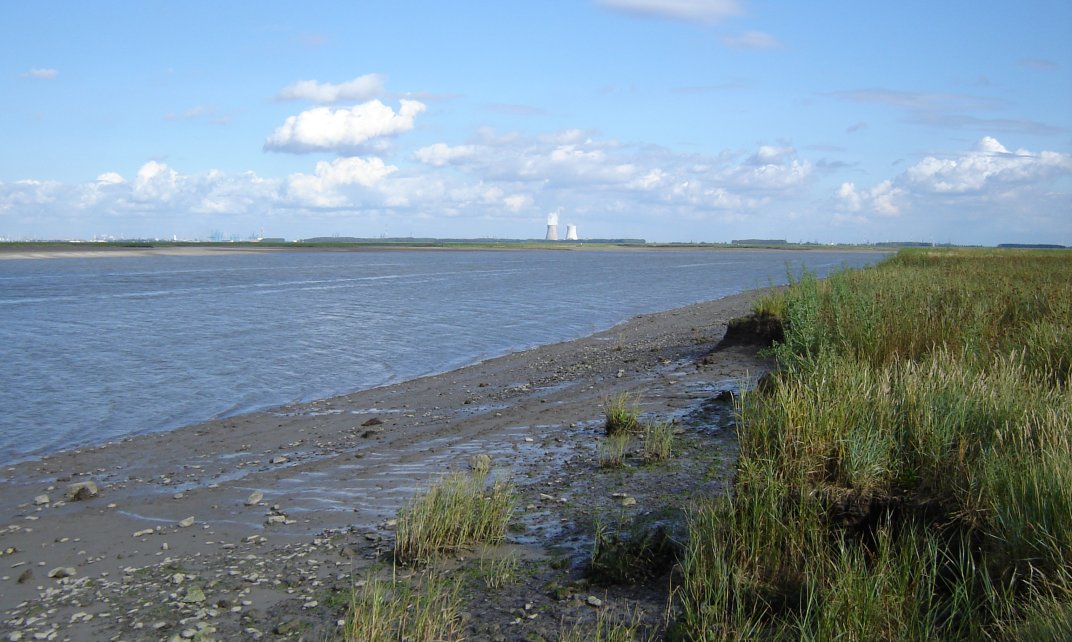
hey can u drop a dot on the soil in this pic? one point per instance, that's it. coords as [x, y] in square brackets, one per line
[177, 545]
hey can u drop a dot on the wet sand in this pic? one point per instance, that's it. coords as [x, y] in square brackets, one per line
[175, 507]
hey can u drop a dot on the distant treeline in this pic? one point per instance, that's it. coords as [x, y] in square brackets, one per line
[1032, 246]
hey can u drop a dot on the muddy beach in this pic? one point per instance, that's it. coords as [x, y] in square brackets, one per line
[258, 526]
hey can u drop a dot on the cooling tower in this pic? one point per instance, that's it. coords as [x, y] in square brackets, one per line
[571, 232]
[552, 227]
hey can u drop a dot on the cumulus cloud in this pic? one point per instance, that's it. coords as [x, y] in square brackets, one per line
[440, 154]
[40, 73]
[342, 130]
[359, 89]
[705, 11]
[989, 164]
[328, 186]
[983, 179]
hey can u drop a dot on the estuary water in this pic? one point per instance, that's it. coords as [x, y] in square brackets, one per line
[96, 349]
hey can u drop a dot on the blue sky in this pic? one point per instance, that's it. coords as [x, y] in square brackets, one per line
[670, 120]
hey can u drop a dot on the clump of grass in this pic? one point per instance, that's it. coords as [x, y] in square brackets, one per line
[429, 610]
[905, 474]
[460, 510]
[497, 572]
[612, 450]
[658, 441]
[622, 412]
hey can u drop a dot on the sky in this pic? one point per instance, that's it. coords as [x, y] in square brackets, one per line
[667, 120]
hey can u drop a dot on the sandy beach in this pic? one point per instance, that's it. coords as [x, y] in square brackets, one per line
[252, 527]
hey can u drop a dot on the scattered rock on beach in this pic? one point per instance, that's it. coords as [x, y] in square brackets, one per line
[186, 523]
[61, 572]
[279, 460]
[254, 498]
[375, 421]
[42, 500]
[480, 462]
[79, 491]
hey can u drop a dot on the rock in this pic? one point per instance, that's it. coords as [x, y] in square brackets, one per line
[254, 498]
[594, 601]
[42, 500]
[279, 460]
[188, 522]
[276, 519]
[61, 572]
[375, 421]
[194, 595]
[79, 491]
[480, 463]
[628, 501]
[287, 627]
[25, 576]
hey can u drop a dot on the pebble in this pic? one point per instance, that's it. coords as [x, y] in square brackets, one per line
[594, 601]
[186, 523]
[42, 500]
[61, 572]
[254, 498]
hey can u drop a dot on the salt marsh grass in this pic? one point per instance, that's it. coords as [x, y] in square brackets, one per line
[427, 609]
[613, 448]
[658, 441]
[906, 475]
[621, 412]
[460, 510]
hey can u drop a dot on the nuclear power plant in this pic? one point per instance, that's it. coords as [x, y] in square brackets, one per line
[552, 229]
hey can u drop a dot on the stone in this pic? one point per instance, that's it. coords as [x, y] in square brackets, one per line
[194, 595]
[79, 491]
[279, 460]
[61, 572]
[254, 498]
[481, 463]
[188, 522]
[628, 501]
[594, 601]
[25, 576]
[276, 519]
[42, 500]
[375, 421]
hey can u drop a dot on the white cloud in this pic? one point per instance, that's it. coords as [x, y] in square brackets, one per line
[156, 182]
[987, 166]
[706, 11]
[752, 40]
[440, 154]
[883, 199]
[110, 178]
[328, 186]
[342, 130]
[359, 89]
[40, 74]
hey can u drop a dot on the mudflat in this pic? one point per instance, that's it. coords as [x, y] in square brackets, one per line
[259, 526]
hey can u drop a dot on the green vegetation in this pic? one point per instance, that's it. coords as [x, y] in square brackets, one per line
[459, 511]
[612, 450]
[658, 441]
[906, 473]
[622, 413]
[428, 610]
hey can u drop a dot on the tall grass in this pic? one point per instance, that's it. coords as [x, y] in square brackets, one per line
[460, 510]
[908, 473]
[428, 610]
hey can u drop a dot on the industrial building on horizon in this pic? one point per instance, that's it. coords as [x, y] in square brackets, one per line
[552, 229]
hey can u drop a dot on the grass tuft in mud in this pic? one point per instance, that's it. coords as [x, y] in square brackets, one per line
[426, 609]
[622, 412]
[460, 510]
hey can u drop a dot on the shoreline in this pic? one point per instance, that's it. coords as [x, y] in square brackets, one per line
[90, 250]
[335, 470]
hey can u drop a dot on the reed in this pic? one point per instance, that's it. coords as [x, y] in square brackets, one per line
[905, 475]
[613, 448]
[658, 441]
